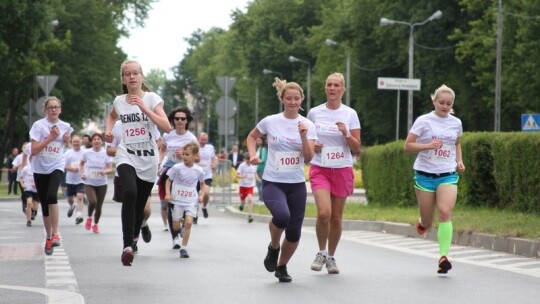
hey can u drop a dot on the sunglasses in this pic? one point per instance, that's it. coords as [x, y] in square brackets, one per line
[180, 118]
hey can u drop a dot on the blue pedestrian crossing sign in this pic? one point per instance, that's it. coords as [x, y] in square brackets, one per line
[530, 122]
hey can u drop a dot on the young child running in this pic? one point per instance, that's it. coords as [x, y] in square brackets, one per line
[247, 173]
[181, 192]
[30, 193]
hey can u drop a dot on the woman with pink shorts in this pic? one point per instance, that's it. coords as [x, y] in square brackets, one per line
[331, 173]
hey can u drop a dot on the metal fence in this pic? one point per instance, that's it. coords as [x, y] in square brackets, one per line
[221, 191]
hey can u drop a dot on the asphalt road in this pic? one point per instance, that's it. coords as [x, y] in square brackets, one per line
[226, 266]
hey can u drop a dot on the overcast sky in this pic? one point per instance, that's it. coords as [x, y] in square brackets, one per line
[160, 44]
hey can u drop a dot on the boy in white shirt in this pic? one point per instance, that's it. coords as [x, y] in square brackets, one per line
[181, 192]
[26, 179]
[247, 173]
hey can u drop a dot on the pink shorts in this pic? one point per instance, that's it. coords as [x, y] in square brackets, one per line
[244, 191]
[340, 181]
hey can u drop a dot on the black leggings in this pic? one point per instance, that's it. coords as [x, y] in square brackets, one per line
[95, 196]
[136, 193]
[47, 188]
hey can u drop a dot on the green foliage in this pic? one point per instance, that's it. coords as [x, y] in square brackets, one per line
[387, 175]
[501, 172]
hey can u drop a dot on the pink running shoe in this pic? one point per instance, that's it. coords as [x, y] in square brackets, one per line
[95, 228]
[55, 240]
[88, 223]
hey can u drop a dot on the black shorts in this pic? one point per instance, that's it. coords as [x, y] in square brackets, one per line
[73, 189]
[32, 194]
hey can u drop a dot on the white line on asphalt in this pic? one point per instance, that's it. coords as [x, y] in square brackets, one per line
[54, 296]
[362, 239]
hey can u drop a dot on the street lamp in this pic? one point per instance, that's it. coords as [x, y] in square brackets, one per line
[269, 72]
[331, 42]
[295, 59]
[385, 21]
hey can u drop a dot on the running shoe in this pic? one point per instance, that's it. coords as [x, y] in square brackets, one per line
[34, 213]
[70, 210]
[205, 212]
[55, 241]
[184, 254]
[134, 247]
[444, 265]
[88, 223]
[331, 266]
[146, 233]
[48, 247]
[28, 223]
[282, 275]
[270, 261]
[195, 220]
[319, 262]
[95, 228]
[165, 228]
[241, 207]
[127, 256]
[78, 220]
[419, 228]
[176, 243]
[250, 219]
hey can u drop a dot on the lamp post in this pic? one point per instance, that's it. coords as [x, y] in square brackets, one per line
[385, 21]
[269, 72]
[331, 42]
[295, 59]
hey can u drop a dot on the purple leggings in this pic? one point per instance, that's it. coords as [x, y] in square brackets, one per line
[287, 203]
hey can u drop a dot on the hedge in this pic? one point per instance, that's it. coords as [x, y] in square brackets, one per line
[502, 171]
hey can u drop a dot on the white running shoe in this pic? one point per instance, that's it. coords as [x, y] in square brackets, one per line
[331, 266]
[319, 262]
[176, 243]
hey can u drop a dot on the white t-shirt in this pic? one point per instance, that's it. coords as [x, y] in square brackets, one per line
[249, 172]
[285, 162]
[184, 184]
[138, 147]
[52, 156]
[335, 152]
[94, 161]
[73, 159]
[174, 141]
[431, 126]
[28, 177]
[17, 161]
[207, 154]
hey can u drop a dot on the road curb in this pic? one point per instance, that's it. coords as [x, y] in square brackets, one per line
[518, 246]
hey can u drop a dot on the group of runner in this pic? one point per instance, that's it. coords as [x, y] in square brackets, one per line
[326, 138]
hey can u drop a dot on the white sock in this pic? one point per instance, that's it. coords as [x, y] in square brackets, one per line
[323, 252]
[78, 214]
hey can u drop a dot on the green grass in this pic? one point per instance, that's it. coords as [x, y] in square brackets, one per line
[465, 219]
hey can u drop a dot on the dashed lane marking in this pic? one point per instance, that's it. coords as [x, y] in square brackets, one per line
[460, 254]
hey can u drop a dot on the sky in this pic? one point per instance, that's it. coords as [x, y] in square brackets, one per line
[160, 44]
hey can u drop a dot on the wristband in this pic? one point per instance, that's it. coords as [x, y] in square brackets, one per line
[348, 134]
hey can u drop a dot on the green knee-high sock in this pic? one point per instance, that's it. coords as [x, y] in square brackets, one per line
[444, 235]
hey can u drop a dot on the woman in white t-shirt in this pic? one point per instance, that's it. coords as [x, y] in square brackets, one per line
[172, 147]
[48, 136]
[94, 167]
[137, 154]
[291, 138]
[436, 138]
[331, 172]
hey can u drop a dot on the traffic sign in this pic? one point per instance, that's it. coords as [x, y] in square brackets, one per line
[226, 107]
[47, 82]
[226, 83]
[530, 122]
[226, 126]
[404, 84]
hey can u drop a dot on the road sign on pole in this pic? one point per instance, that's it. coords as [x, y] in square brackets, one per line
[530, 122]
[403, 84]
[47, 82]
